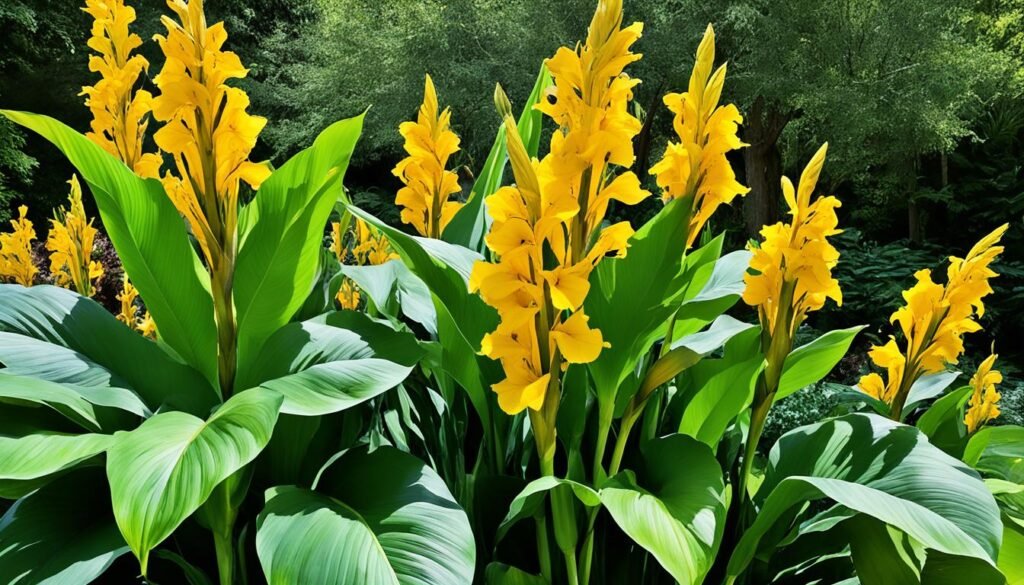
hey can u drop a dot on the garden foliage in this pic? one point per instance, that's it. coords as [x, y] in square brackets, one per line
[522, 392]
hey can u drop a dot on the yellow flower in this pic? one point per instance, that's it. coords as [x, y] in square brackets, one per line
[70, 243]
[984, 404]
[370, 248]
[146, 326]
[935, 319]
[16, 250]
[119, 115]
[429, 142]
[792, 268]
[129, 312]
[546, 232]
[697, 166]
[207, 130]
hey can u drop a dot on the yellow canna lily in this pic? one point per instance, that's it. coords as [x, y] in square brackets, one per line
[120, 114]
[934, 320]
[696, 166]
[429, 142]
[70, 243]
[207, 130]
[16, 250]
[984, 403]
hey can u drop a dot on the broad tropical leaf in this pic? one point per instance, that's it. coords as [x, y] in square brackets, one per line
[381, 517]
[810, 363]
[278, 258]
[103, 351]
[30, 460]
[675, 511]
[532, 497]
[62, 534]
[889, 472]
[395, 292]
[151, 241]
[334, 362]
[161, 472]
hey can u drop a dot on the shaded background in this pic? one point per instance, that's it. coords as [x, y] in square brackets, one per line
[921, 102]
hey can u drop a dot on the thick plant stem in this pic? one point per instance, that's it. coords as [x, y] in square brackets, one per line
[221, 515]
[758, 416]
[224, 312]
[543, 550]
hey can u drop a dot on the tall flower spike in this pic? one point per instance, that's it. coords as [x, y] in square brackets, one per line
[129, 312]
[70, 243]
[119, 114]
[933, 322]
[696, 166]
[984, 403]
[207, 129]
[547, 231]
[16, 250]
[429, 142]
[792, 268]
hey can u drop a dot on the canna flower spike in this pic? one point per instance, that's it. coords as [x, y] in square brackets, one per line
[120, 115]
[696, 166]
[70, 243]
[547, 233]
[933, 322]
[791, 270]
[429, 142]
[207, 130]
[16, 251]
[984, 403]
[129, 314]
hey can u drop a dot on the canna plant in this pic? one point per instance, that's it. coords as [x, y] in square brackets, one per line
[573, 383]
[636, 403]
[115, 443]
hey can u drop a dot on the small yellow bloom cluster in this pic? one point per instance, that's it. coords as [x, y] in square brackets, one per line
[370, 248]
[542, 226]
[70, 243]
[16, 251]
[129, 314]
[119, 115]
[934, 321]
[984, 404]
[792, 268]
[207, 129]
[429, 142]
[696, 166]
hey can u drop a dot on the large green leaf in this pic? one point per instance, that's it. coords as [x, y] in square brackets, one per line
[462, 318]
[887, 471]
[77, 403]
[164, 470]
[151, 241]
[998, 452]
[278, 259]
[927, 387]
[810, 363]
[713, 392]
[471, 223]
[30, 460]
[1011, 553]
[943, 422]
[631, 298]
[677, 512]
[530, 500]
[62, 534]
[381, 517]
[334, 362]
[714, 285]
[395, 291]
[104, 352]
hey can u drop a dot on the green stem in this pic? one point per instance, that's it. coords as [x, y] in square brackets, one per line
[225, 557]
[758, 416]
[543, 550]
[221, 515]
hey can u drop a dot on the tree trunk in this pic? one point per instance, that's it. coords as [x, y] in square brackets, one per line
[763, 163]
